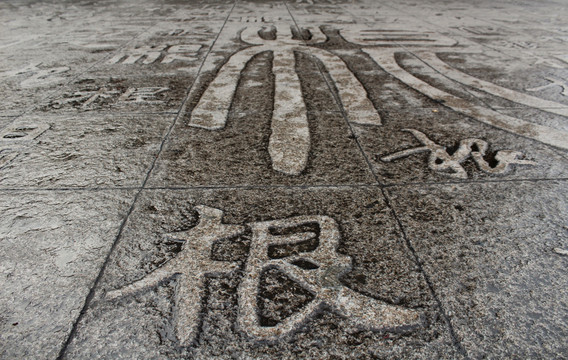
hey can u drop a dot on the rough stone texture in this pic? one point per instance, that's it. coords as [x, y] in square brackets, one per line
[238, 154]
[120, 94]
[85, 150]
[448, 128]
[52, 247]
[494, 267]
[171, 125]
[385, 270]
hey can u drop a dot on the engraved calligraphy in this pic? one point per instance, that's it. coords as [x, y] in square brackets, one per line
[90, 97]
[193, 263]
[289, 142]
[165, 54]
[441, 160]
[16, 137]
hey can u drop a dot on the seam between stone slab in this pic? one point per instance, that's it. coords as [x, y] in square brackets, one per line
[455, 339]
[338, 102]
[445, 183]
[465, 87]
[131, 209]
[307, 187]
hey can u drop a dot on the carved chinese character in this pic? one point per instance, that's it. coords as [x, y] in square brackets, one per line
[16, 137]
[424, 45]
[38, 76]
[148, 54]
[182, 53]
[190, 266]
[147, 95]
[440, 160]
[84, 98]
[289, 142]
[316, 268]
[317, 271]
[21, 133]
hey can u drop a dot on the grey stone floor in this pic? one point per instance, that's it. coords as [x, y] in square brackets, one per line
[308, 179]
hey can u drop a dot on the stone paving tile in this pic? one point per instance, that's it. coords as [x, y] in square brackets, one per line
[238, 154]
[382, 269]
[54, 244]
[86, 150]
[200, 11]
[492, 252]
[92, 32]
[454, 160]
[271, 110]
[536, 49]
[32, 75]
[198, 151]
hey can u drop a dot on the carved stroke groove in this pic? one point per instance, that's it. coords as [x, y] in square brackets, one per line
[544, 134]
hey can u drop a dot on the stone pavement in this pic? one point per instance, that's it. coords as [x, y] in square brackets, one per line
[312, 179]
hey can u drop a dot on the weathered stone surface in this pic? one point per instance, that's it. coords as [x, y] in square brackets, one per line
[382, 268]
[52, 247]
[83, 150]
[238, 154]
[489, 250]
[448, 129]
[248, 147]
[120, 94]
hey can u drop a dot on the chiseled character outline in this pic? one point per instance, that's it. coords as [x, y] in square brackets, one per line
[440, 160]
[321, 279]
[553, 82]
[289, 142]
[86, 97]
[146, 95]
[148, 54]
[424, 44]
[193, 263]
[39, 77]
[190, 266]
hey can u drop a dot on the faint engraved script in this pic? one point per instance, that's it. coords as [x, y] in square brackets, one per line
[321, 278]
[85, 99]
[382, 45]
[440, 160]
[553, 82]
[89, 98]
[14, 138]
[143, 95]
[6, 156]
[289, 142]
[165, 54]
[37, 76]
[260, 19]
